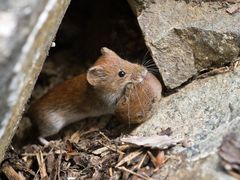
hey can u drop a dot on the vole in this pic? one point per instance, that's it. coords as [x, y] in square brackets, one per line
[91, 94]
[138, 101]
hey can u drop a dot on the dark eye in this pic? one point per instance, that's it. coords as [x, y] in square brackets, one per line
[121, 73]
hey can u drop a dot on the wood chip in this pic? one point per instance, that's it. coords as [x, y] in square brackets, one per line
[129, 157]
[100, 150]
[75, 137]
[110, 172]
[11, 173]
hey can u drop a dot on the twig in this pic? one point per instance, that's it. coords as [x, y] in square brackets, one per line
[141, 162]
[105, 136]
[136, 174]
[153, 159]
[55, 153]
[59, 165]
[111, 148]
[41, 164]
[129, 157]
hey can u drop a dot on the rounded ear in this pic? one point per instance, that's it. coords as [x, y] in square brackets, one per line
[96, 75]
[106, 51]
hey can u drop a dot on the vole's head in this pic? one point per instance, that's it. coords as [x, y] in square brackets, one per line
[111, 74]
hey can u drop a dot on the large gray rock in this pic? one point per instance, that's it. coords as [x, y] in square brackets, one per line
[203, 111]
[186, 39]
[27, 28]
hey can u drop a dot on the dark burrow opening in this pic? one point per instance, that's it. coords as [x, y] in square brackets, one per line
[87, 26]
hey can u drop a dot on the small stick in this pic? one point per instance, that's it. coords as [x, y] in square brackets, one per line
[129, 157]
[141, 162]
[41, 164]
[136, 174]
[115, 150]
[153, 159]
[59, 164]
[55, 153]
[105, 136]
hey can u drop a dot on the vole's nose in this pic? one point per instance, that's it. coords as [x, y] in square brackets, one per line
[144, 73]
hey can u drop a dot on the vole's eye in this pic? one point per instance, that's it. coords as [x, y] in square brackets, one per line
[121, 73]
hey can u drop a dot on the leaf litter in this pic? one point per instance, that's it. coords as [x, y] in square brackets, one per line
[91, 154]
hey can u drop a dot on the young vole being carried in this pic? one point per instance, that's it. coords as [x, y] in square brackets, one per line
[92, 94]
[139, 100]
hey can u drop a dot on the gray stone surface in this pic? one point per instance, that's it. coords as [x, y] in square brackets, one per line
[27, 28]
[203, 112]
[185, 38]
[206, 167]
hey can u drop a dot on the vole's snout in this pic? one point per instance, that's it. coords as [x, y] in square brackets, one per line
[144, 73]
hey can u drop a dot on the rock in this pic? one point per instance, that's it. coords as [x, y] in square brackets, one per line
[203, 112]
[198, 110]
[186, 39]
[27, 29]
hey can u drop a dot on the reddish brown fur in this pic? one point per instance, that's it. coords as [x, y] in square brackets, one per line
[137, 104]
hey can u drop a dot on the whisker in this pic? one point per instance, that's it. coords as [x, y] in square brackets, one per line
[139, 101]
[155, 72]
[151, 65]
[155, 69]
[144, 57]
[149, 61]
[128, 106]
[145, 94]
[146, 62]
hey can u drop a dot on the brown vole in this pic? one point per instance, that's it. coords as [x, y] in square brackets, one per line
[138, 102]
[94, 93]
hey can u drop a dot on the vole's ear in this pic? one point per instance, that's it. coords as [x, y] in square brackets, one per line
[96, 75]
[106, 51]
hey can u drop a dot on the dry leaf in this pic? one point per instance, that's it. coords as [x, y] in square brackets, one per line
[156, 141]
[160, 159]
